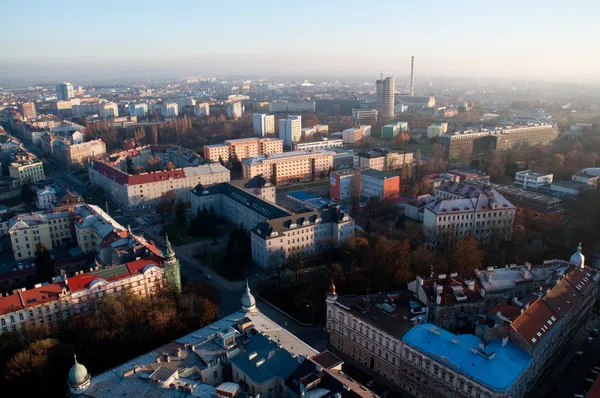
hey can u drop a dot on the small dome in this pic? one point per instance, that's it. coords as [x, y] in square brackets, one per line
[331, 290]
[248, 300]
[577, 258]
[78, 375]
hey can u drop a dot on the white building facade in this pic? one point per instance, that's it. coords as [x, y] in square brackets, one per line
[290, 130]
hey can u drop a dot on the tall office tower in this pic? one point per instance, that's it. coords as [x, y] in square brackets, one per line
[263, 124]
[385, 98]
[64, 91]
[412, 76]
[290, 130]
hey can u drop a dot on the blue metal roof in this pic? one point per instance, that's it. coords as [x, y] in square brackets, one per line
[497, 367]
[263, 360]
[301, 195]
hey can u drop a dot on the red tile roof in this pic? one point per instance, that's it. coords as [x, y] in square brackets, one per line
[562, 298]
[138, 179]
[535, 322]
[580, 279]
[110, 172]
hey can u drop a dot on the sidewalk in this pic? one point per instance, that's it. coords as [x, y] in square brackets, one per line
[184, 254]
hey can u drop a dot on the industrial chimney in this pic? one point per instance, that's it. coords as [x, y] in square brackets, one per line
[412, 76]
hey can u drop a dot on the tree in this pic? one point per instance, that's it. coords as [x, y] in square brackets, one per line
[44, 264]
[153, 163]
[129, 167]
[180, 211]
[165, 204]
[273, 179]
[355, 191]
[466, 256]
[27, 195]
[277, 265]
[170, 165]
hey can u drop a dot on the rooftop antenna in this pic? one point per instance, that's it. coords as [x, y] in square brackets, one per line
[381, 75]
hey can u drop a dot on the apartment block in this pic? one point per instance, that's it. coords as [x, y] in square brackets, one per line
[263, 124]
[289, 166]
[382, 160]
[108, 110]
[290, 130]
[353, 135]
[340, 185]
[242, 148]
[437, 129]
[392, 130]
[364, 115]
[28, 229]
[138, 110]
[26, 168]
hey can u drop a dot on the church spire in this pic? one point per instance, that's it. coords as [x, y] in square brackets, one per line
[169, 252]
[172, 268]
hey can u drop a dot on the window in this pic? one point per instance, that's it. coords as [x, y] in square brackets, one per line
[216, 374]
[470, 390]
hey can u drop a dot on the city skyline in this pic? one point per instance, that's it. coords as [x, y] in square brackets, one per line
[124, 40]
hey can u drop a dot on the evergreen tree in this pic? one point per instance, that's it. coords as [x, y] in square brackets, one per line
[43, 261]
[129, 167]
[180, 213]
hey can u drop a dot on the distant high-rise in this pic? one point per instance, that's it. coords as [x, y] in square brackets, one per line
[412, 76]
[290, 130]
[263, 124]
[386, 97]
[64, 91]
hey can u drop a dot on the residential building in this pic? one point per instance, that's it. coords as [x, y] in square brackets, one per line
[482, 213]
[240, 202]
[386, 91]
[169, 110]
[289, 166]
[138, 109]
[108, 110]
[64, 91]
[69, 155]
[382, 160]
[242, 148]
[186, 104]
[27, 109]
[290, 130]
[46, 197]
[340, 185]
[415, 208]
[321, 128]
[28, 229]
[369, 328]
[375, 183]
[263, 124]
[242, 353]
[26, 168]
[529, 135]
[353, 135]
[307, 133]
[364, 115]
[464, 144]
[297, 107]
[437, 129]
[533, 179]
[392, 130]
[235, 110]
[307, 235]
[323, 143]
[322, 374]
[202, 109]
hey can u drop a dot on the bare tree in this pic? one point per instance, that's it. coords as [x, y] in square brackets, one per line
[278, 265]
[355, 190]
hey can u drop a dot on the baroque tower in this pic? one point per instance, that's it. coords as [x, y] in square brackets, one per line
[172, 271]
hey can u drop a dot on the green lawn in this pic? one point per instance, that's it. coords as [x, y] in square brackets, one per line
[180, 235]
[215, 262]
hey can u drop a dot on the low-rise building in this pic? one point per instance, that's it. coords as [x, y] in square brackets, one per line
[289, 166]
[323, 143]
[589, 176]
[307, 235]
[353, 135]
[46, 197]
[242, 148]
[364, 115]
[437, 129]
[533, 179]
[375, 183]
[28, 229]
[382, 160]
[570, 189]
[392, 130]
[340, 185]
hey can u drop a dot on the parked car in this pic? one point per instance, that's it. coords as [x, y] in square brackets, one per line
[209, 277]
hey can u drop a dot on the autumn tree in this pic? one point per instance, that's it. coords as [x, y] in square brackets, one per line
[466, 256]
[170, 165]
[44, 264]
[153, 163]
[165, 205]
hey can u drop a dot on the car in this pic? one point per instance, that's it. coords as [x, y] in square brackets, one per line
[199, 270]
[589, 340]
[578, 396]
[370, 383]
[209, 277]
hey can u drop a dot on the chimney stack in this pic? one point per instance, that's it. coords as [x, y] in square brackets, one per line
[412, 76]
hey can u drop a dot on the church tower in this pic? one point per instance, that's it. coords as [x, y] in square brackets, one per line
[172, 271]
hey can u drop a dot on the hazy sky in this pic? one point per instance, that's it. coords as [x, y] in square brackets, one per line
[63, 39]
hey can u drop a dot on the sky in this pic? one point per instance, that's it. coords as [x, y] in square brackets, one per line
[45, 40]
